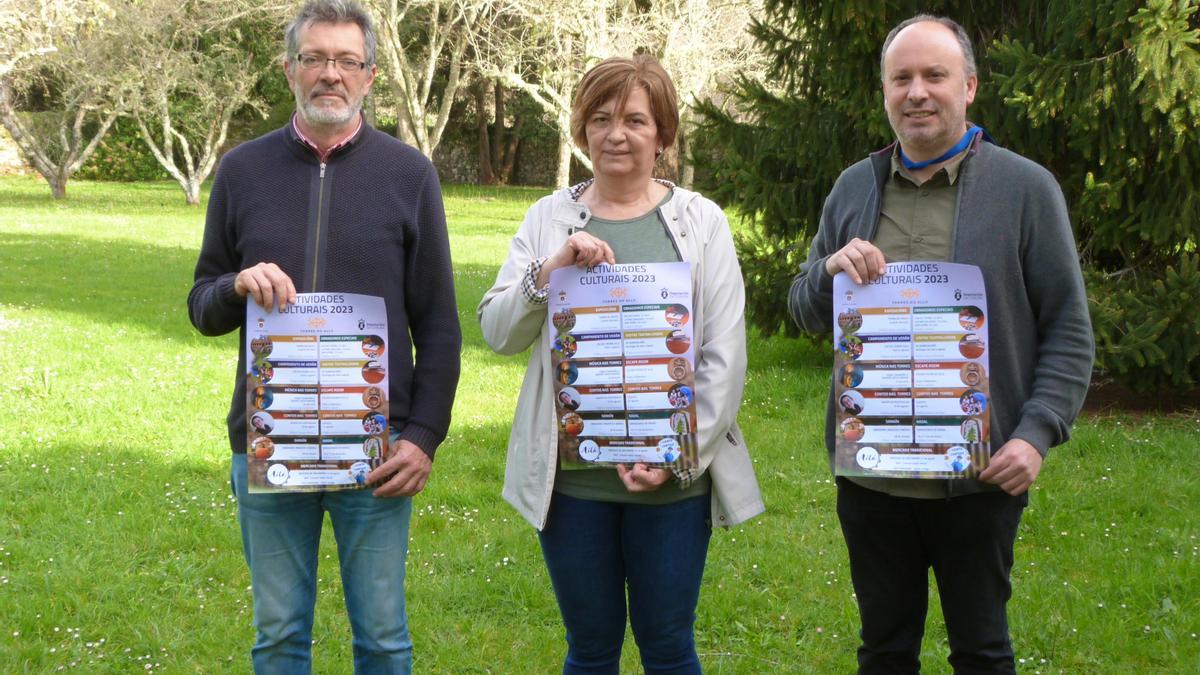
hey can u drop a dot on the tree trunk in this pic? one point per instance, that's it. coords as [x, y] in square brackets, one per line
[191, 191]
[28, 145]
[58, 185]
[510, 153]
[368, 108]
[404, 131]
[486, 175]
[687, 176]
[504, 151]
[562, 177]
[498, 130]
[687, 169]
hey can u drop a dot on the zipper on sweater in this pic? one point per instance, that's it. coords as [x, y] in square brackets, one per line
[317, 240]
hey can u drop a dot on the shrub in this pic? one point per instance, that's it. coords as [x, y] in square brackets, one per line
[122, 156]
[768, 266]
[1147, 327]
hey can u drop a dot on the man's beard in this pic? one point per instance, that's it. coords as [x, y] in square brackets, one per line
[318, 115]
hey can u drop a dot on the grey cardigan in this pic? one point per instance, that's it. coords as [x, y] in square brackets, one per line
[1011, 221]
[511, 324]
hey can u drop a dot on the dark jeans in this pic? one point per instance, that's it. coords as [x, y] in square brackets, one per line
[968, 541]
[595, 550]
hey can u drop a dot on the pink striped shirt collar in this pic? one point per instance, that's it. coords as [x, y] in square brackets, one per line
[313, 146]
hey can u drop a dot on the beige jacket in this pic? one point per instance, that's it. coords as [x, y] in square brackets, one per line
[512, 324]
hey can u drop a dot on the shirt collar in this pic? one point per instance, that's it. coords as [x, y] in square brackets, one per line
[344, 141]
[951, 167]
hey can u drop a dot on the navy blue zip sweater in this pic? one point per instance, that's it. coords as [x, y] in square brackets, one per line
[369, 220]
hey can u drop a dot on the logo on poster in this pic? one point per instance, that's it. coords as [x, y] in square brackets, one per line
[277, 474]
[958, 458]
[669, 448]
[589, 451]
[867, 458]
[316, 322]
[359, 471]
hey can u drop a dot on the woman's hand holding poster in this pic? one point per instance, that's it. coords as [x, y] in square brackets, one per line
[623, 359]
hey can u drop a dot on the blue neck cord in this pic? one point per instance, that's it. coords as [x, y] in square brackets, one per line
[958, 147]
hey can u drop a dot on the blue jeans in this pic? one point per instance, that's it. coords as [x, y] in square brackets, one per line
[280, 536]
[595, 550]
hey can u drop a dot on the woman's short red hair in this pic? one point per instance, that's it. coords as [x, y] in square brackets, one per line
[617, 77]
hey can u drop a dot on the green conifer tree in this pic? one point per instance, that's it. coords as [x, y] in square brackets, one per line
[1105, 94]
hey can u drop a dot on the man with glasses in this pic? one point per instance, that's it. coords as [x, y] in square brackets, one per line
[328, 204]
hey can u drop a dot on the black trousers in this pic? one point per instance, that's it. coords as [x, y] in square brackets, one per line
[968, 541]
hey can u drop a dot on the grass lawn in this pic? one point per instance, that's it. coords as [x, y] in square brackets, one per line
[120, 551]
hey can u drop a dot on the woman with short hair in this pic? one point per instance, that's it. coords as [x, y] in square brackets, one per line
[642, 529]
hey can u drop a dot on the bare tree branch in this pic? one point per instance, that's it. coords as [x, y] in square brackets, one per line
[70, 80]
[549, 44]
[183, 111]
[420, 40]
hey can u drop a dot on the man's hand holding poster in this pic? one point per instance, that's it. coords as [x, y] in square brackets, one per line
[316, 392]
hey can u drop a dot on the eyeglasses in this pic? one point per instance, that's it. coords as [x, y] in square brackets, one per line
[347, 66]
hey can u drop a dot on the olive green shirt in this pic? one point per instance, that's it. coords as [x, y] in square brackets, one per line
[916, 222]
[636, 240]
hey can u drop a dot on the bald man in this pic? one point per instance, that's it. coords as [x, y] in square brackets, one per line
[945, 191]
